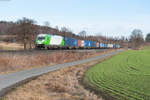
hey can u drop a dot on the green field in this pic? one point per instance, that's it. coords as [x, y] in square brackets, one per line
[123, 77]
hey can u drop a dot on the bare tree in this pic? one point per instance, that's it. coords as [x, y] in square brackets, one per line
[82, 34]
[47, 23]
[33, 35]
[65, 31]
[47, 27]
[136, 38]
[148, 37]
[57, 28]
[25, 31]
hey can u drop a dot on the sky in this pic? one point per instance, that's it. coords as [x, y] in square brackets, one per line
[114, 18]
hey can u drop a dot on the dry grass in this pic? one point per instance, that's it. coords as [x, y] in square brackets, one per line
[11, 62]
[59, 85]
[10, 46]
[64, 84]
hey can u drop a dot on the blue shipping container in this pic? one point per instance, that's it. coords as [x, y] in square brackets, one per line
[75, 43]
[101, 45]
[86, 43]
[93, 44]
[105, 45]
[70, 42]
[114, 46]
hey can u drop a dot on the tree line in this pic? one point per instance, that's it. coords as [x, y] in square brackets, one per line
[26, 30]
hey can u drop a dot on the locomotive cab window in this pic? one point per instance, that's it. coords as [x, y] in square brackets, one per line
[41, 38]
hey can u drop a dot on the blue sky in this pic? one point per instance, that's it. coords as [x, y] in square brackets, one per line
[106, 17]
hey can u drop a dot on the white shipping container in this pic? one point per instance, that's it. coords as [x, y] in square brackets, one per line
[82, 43]
[110, 45]
[56, 40]
[118, 46]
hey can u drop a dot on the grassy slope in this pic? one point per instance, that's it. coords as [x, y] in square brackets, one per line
[125, 76]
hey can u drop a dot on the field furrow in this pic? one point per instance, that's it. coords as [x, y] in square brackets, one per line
[125, 76]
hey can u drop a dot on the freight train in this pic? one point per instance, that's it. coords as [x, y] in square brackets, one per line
[48, 41]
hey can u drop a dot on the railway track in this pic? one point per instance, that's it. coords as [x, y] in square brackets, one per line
[8, 81]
